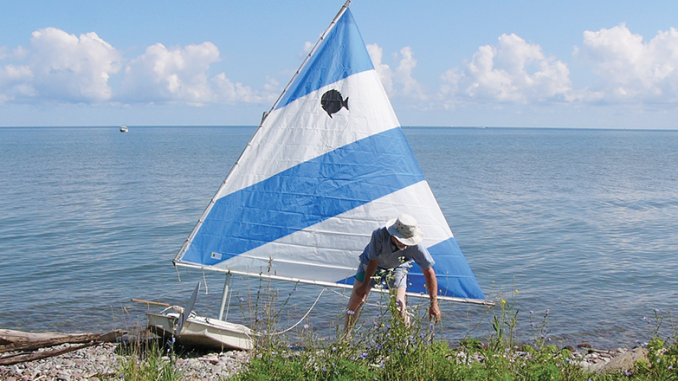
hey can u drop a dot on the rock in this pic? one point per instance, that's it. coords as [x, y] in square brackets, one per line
[627, 361]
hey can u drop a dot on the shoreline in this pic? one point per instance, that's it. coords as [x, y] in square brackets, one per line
[102, 362]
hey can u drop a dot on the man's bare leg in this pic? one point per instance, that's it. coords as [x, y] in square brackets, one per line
[354, 304]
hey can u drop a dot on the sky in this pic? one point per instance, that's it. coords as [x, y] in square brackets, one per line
[556, 64]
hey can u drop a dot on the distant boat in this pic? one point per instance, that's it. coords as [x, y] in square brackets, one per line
[124, 129]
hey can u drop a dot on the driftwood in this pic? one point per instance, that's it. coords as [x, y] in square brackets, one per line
[24, 341]
[151, 303]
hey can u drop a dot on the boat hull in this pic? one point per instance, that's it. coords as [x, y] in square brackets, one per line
[202, 332]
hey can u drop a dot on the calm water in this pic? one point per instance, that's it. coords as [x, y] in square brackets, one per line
[581, 222]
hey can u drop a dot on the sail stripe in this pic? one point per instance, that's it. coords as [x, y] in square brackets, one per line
[453, 273]
[304, 195]
[339, 56]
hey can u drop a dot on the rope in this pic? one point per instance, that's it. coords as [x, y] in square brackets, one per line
[207, 289]
[300, 320]
[348, 297]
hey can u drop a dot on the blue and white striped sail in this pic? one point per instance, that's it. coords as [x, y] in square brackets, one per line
[328, 165]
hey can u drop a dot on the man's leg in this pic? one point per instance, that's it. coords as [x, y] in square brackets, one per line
[353, 308]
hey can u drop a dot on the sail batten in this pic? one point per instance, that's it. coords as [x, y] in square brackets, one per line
[328, 164]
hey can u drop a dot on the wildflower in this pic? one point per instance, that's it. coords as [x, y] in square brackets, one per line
[516, 291]
[363, 355]
[349, 312]
[670, 367]
[242, 299]
[377, 347]
[324, 369]
[503, 302]
[334, 349]
[305, 326]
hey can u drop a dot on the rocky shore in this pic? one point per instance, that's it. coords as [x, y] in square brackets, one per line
[101, 362]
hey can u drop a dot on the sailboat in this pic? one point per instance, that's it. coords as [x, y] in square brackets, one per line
[328, 164]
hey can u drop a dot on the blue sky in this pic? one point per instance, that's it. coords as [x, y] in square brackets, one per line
[602, 64]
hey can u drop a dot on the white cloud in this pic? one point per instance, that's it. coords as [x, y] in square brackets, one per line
[376, 54]
[14, 83]
[630, 70]
[69, 68]
[513, 71]
[182, 75]
[398, 82]
[59, 67]
[167, 75]
[229, 92]
[65, 68]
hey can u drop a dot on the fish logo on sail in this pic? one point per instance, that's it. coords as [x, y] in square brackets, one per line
[332, 101]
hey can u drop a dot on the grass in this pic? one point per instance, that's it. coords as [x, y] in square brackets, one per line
[146, 360]
[386, 349]
[383, 347]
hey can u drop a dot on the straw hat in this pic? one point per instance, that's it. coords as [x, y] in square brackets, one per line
[405, 229]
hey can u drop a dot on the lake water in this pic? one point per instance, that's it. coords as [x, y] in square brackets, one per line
[583, 223]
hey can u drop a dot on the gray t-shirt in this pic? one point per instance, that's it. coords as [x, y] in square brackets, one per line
[388, 254]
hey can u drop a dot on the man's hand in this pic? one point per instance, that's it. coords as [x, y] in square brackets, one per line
[434, 311]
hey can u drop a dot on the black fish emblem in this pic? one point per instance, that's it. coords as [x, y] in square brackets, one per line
[332, 102]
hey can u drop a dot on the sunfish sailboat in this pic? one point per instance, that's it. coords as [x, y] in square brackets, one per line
[328, 164]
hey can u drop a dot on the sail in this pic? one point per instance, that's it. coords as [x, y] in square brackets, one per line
[328, 165]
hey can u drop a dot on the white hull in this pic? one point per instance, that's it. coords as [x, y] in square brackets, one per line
[202, 332]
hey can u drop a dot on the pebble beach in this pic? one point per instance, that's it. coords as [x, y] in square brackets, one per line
[102, 362]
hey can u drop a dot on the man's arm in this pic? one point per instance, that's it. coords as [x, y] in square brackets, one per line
[432, 285]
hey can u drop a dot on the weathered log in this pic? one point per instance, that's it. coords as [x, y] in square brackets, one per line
[86, 340]
[45, 343]
[10, 360]
[10, 336]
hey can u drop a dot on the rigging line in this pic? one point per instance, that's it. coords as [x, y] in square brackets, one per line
[207, 289]
[300, 320]
[348, 297]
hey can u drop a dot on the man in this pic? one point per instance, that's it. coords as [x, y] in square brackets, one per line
[392, 248]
